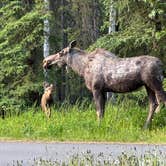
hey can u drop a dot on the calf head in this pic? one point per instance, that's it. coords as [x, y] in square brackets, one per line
[60, 58]
[48, 88]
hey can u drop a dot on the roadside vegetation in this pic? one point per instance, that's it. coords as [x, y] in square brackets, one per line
[88, 158]
[123, 122]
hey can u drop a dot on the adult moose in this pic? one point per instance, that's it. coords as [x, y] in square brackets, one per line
[104, 72]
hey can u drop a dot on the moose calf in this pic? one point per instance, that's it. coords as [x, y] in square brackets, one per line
[47, 99]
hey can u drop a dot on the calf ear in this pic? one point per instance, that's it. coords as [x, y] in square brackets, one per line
[45, 84]
[51, 85]
[73, 44]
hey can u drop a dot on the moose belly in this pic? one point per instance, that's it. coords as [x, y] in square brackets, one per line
[124, 83]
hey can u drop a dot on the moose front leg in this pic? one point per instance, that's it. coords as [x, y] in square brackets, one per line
[99, 98]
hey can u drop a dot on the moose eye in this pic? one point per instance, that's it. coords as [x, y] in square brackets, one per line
[61, 53]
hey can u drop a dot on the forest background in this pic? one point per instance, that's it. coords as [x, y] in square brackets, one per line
[140, 28]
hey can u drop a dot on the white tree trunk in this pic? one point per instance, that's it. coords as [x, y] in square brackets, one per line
[112, 18]
[46, 44]
[111, 28]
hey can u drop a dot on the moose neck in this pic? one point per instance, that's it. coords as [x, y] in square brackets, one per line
[76, 60]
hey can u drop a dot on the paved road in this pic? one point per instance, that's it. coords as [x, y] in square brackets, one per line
[10, 152]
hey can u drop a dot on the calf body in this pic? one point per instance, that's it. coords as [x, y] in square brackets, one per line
[47, 99]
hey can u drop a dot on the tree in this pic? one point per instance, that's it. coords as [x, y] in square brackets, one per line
[78, 20]
[111, 29]
[21, 36]
[46, 45]
[137, 35]
[112, 18]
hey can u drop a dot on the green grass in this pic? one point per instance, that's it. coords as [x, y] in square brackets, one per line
[122, 123]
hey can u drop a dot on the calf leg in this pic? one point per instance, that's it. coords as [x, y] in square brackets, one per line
[99, 98]
[48, 111]
[152, 106]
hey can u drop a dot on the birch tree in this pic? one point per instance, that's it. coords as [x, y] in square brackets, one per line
[111, 29]
[63, 44]
[112, 18]
[46, 45]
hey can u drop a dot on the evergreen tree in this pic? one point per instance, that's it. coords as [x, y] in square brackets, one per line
[142, 29]
[21, 36]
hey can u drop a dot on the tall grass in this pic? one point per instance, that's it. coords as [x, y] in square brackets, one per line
[123, 122]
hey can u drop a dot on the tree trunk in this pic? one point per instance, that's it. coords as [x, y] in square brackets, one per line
[46, 45]
[112, 18]
[111, 28]
[95, 20]
[64, 44]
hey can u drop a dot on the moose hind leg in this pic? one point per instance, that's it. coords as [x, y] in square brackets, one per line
[99, 98]
[152, 106]
[156, 86]
[159, 93]
[161, 98]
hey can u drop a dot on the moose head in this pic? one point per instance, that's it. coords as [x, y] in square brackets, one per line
[60, 58]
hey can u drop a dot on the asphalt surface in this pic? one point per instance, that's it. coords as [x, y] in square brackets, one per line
[27, 152]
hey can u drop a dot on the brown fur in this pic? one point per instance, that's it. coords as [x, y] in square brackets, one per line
[104, 72]
[47, 99]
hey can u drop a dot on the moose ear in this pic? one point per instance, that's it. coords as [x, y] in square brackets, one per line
[73, 44]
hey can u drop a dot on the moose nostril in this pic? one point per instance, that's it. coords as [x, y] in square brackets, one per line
[48, 62]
